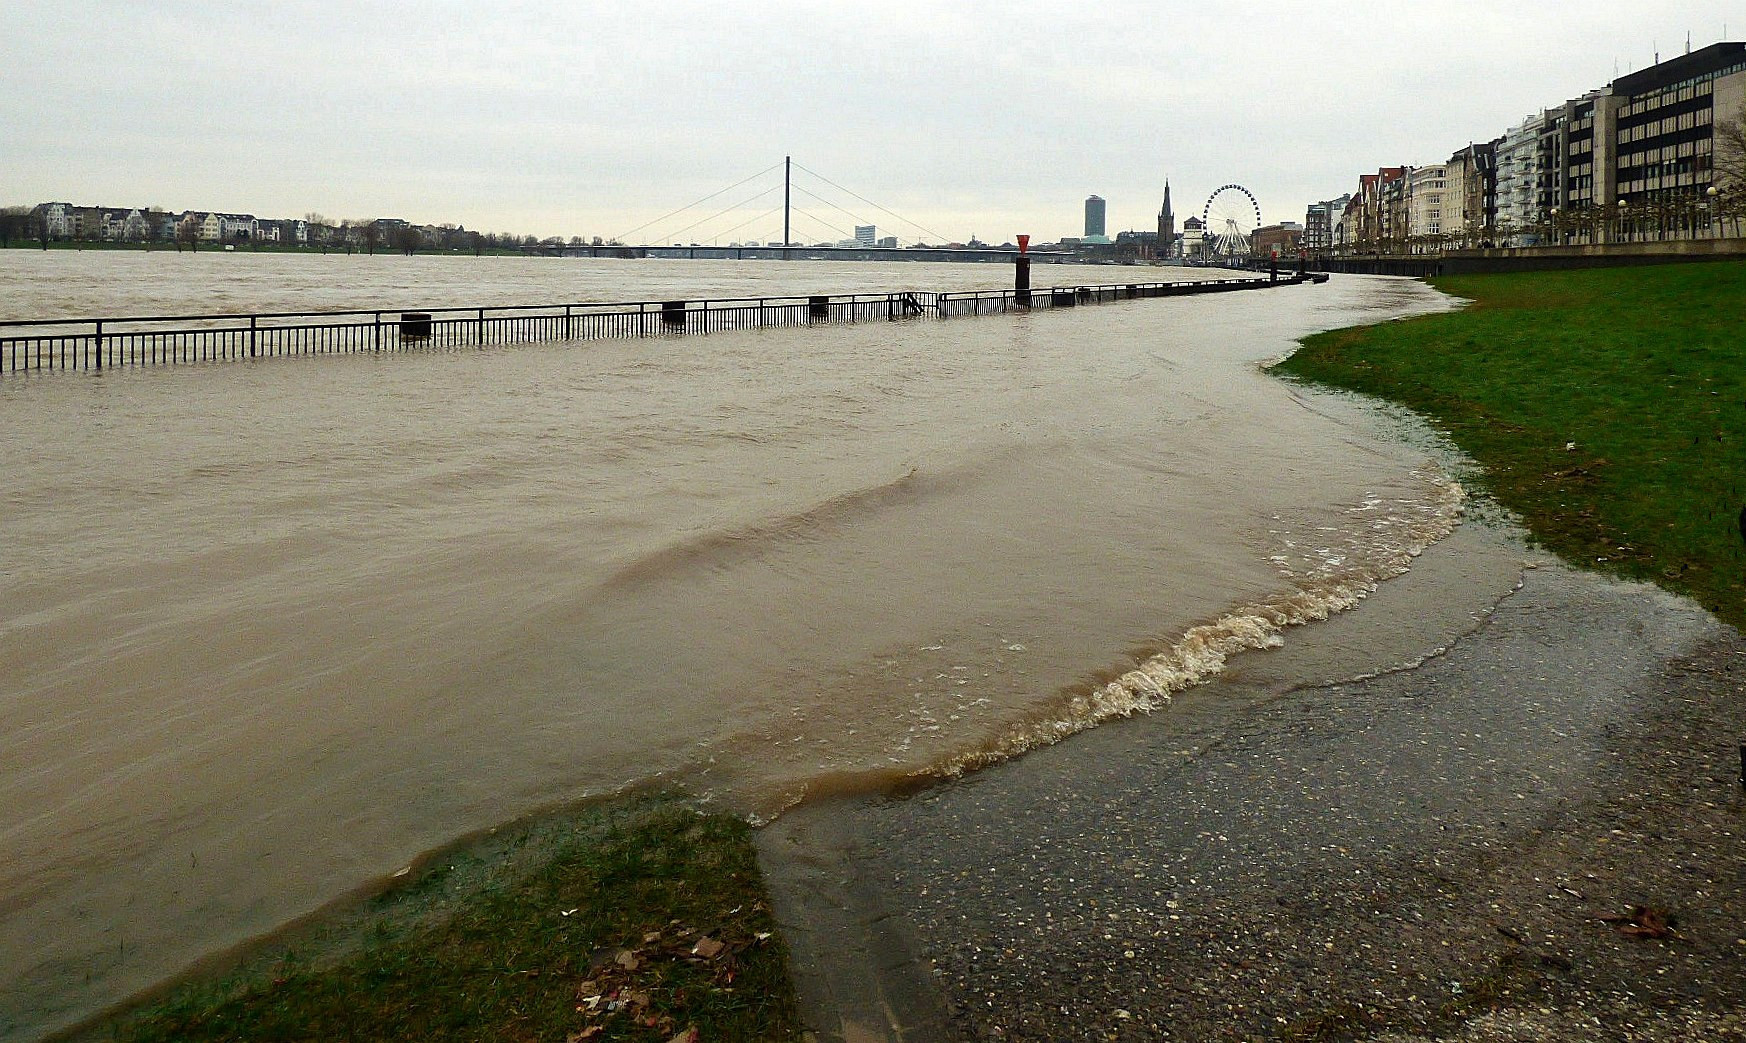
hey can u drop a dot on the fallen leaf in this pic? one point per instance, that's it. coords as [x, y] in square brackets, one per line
[627, 959]
[587, 1033]
[1643, 922]
[707, 947]
[688, 1036]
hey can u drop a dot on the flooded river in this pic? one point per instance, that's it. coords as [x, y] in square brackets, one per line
[269, 630]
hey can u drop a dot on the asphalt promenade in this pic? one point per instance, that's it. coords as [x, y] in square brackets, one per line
[1536, 835]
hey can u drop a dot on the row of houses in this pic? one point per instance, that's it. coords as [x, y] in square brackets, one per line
[65, 221]
[1649, 156]
[68, 222]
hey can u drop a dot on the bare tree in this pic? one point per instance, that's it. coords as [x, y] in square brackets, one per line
[155, 218]
[407, 239]
[1728, 169]
[1730, 154]
[14, 224]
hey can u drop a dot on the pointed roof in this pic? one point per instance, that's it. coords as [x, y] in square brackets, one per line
[1165, 212]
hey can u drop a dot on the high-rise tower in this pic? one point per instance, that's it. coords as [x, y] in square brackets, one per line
[1094, 218]
[1166, 226]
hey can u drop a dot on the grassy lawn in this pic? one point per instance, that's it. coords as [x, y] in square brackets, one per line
[1607, 407]
[639, 920]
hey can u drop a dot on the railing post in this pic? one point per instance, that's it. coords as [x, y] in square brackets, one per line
[99, 344]
[253, 319]
[567, 334]
[378, 331]
[481, 325]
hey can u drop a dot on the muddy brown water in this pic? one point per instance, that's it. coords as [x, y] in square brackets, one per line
[272, 629]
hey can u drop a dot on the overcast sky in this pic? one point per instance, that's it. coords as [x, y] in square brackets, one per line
[577, 118]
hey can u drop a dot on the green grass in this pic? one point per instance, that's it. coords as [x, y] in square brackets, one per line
[632, 921]
[1607, 407]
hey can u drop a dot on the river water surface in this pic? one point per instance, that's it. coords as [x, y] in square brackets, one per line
[272, 629]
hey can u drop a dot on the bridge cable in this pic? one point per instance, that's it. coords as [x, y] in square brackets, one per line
[742, 224]
[718, 213]
[688, 206]
[857, 217]
[823, 222]
[876, 206]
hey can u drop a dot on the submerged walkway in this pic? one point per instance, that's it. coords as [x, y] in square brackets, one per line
[97, 343]
[1400, 853]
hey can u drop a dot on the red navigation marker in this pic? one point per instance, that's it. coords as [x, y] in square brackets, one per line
[1024, 244]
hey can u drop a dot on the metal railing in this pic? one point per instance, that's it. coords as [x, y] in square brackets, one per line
[94, 344]
[996, 302]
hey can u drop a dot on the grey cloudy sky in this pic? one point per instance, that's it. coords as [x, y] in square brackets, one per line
[585, 118]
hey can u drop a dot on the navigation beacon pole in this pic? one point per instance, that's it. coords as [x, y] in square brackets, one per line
[1021, 273]
[787, 185]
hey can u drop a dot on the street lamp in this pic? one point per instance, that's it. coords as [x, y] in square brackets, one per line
[1622, 204]
[1710, 211]
[1556, 234]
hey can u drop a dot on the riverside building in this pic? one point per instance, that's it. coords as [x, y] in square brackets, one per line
[1094, 222]
[1633, 160]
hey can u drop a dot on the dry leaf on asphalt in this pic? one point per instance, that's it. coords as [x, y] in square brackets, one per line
[1643, 922]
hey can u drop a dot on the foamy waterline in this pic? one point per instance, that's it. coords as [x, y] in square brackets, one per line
[1345, 573]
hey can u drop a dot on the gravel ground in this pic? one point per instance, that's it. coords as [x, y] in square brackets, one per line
[1429, 854]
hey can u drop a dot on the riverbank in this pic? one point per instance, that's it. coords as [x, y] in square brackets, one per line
[1605, 407]
[631, 919]
[1532, 834]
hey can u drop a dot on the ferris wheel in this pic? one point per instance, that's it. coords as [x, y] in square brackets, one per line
[1230, 216]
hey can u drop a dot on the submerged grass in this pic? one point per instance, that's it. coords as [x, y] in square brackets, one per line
[638, 920]
[1607, 408]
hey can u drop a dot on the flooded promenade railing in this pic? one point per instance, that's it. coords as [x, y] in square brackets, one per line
[93, 344]
[996, 302]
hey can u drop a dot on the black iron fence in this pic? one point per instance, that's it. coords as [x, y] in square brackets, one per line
[995, 302]
[93, 344]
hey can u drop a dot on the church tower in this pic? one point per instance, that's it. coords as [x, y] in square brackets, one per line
[1166, 228]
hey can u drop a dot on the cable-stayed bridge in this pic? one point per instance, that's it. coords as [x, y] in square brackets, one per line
[803, 253]
[765, 221]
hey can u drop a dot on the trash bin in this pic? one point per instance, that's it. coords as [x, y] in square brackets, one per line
[673, 314]
[415, 325]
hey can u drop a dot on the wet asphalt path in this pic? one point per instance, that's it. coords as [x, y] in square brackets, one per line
[1241, 870]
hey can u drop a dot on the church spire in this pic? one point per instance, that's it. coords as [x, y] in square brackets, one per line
[1166, 246]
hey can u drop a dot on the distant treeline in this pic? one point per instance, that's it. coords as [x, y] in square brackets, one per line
[50, 224]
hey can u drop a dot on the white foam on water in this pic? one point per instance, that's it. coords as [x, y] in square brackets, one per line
[1385, 537]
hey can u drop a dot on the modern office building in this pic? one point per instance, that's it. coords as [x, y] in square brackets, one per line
[866, 235]
[1637, 156]
[1094, 219]
[1664, 121]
